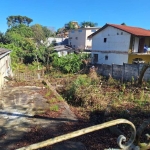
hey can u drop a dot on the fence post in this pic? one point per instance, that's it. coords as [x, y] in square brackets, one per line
[138, 69]
[112, 68]
[123, 72]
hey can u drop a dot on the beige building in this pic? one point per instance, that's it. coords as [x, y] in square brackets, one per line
[78, 38]
[5, 69]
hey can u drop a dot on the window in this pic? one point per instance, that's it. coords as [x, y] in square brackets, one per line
[76, 38]
[79, 30]
[117, 33]
[105, 39]
[95, 59]
[121, 33]
[106, 57]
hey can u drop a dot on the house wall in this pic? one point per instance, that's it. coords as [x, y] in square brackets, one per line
[113, 58]
[112, 42]
[78, 38]
[117, 40]
[59, 41]
[88, 41]
[5, 69]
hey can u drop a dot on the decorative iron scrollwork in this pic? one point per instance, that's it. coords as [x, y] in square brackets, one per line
[132, 144]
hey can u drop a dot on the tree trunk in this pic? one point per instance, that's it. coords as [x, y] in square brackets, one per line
[145, 67]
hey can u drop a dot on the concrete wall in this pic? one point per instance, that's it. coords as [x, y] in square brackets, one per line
[123, 72]
[5, 69]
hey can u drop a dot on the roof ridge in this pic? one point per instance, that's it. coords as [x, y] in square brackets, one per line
[127, 26]
[137, 31]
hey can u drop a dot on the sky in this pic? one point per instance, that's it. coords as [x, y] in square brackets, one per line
[55, 13]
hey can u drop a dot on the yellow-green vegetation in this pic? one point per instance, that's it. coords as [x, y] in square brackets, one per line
[59, 98]
[48, 93]
[52, 100]
[94, 93]
[54, 108]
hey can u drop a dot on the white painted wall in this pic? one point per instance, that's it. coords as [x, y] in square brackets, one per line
[115, 42]
[5, 69]
[136, 44]
[58, 40]
[78, 38]
[113, 58]
[64, 53]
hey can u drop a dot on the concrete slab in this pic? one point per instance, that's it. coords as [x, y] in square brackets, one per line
[17, 114]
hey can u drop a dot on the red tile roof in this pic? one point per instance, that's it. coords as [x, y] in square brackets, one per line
[132, 30]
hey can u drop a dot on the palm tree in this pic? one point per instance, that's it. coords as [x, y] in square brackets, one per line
[88, 23]
[71, 25]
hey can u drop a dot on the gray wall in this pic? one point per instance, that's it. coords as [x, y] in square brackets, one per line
[123, 72]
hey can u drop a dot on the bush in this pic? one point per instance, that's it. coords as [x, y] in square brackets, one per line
[68, 64]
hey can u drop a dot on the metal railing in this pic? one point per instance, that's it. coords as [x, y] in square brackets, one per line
[132, 144]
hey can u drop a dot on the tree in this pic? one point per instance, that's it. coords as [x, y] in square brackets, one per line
[88, 23]
[47, 32]
[22, 30]
[16, 20]
[144, 68]
[123, 24]
[38, 33]
[70, 63]
[59, 30]
[71, 25]
[44, 54]
[21, 36]
[16, 53]
[4, 39]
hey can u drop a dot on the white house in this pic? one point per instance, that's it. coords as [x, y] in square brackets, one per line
[5, 69]
[78, 38]
[57, 40]
[63, 50]
[119, 44]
